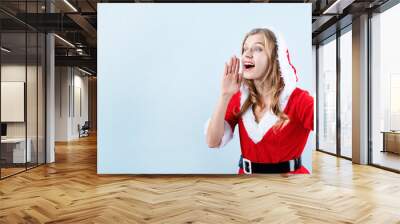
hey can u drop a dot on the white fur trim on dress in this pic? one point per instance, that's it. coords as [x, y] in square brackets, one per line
[256, 131]
[228, 133]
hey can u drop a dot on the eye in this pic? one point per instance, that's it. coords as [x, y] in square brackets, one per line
[258, 49]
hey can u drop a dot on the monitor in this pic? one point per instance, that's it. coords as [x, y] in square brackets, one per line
[3, 129]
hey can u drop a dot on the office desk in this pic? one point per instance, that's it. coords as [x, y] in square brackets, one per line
[15, 148]
[391, 141]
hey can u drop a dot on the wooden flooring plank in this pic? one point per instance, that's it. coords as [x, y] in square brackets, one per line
[70, 191]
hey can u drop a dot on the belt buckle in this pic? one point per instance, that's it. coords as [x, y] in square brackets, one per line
[244, 161]
[292, 165]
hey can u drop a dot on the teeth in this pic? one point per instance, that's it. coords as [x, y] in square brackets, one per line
[248, 65]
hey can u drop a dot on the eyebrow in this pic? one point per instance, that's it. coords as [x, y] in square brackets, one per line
[256, 43]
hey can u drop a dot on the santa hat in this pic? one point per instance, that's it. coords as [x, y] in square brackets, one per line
[288, 71]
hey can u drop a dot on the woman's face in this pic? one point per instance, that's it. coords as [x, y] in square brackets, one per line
[254, 57]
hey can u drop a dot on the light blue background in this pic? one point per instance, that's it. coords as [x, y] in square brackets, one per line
[159, 72]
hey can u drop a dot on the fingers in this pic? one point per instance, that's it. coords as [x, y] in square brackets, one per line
[230, 66]
[234, 62]
[233, 65]
[237, 65]
[225, 69]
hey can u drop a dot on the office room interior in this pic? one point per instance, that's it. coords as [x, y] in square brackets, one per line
[93, 130]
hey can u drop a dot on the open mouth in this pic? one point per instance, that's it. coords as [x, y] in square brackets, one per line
[248, 66]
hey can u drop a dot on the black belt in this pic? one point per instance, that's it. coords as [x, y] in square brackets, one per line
[282, 167]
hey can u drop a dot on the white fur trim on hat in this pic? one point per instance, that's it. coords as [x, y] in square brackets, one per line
[288, 71]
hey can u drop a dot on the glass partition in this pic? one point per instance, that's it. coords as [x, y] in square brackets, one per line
[14, 153]
[22, 89]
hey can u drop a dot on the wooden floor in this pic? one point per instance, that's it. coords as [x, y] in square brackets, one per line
[70, 191]
[5, 172]
[387, 159]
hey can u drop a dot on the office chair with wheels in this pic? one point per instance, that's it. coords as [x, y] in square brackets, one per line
[84, 130]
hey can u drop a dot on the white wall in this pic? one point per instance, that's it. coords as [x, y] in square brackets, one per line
[62, 82]
[12, 73]
[69, 84]
[80, 94]
[33, 127]
[159, 80]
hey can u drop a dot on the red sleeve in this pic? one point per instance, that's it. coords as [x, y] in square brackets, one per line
[305, 110]
[232, 110]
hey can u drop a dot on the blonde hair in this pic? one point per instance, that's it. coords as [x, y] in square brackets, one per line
[272, 80]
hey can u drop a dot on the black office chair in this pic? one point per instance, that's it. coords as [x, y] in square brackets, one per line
[84, 130]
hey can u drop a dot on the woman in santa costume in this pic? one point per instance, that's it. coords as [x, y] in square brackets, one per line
[274, 117]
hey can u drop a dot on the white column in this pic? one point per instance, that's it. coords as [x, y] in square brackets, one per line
[360, 90]
[50, 92]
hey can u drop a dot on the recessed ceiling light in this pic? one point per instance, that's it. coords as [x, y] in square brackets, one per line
[5, 50]
[70, 5]
[337, 7]
[84, 71]
[65, 41]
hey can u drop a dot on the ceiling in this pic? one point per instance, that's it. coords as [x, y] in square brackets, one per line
[76, 22]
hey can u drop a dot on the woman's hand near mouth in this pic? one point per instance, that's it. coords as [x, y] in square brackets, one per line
[231, 79]
[230, 85]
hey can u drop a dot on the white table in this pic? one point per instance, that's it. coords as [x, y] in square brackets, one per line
[19, 149]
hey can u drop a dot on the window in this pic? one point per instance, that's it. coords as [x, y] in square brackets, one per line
[327, 96]
[385, 89]
[346, 94]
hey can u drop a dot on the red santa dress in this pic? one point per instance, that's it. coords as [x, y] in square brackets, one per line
[260, 142]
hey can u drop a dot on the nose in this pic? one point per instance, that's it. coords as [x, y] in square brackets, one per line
[248, 54]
